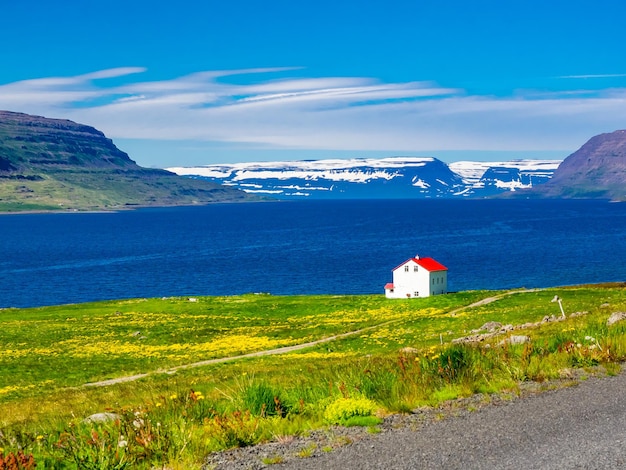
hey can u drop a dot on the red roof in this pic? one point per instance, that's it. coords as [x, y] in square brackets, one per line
[428, 264]
[389, 285]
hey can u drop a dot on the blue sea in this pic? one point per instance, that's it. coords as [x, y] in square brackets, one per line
[306, 247]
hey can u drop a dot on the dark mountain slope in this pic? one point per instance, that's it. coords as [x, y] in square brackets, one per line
[54, 164]
[596, 170]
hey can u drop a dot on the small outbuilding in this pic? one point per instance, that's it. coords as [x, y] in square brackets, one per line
[418, 277]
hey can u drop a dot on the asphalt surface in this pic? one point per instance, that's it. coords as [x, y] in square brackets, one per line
[581, 427]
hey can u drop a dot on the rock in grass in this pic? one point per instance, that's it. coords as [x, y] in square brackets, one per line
[516, 339]
[578, 314]
[101, 418]
[616, 317]
[490, 326]
[479, 338]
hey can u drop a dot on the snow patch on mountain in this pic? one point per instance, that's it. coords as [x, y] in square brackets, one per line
[356, 170]
[472, 172]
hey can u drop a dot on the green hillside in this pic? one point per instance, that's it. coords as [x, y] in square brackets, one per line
[53, 164]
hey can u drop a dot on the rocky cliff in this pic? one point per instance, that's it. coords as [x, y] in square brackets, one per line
[33, 143]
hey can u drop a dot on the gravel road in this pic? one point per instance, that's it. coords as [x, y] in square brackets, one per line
[578, 427]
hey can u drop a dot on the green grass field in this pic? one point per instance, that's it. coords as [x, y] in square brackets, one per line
[404, 359]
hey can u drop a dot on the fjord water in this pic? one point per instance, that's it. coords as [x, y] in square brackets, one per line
[306, 247]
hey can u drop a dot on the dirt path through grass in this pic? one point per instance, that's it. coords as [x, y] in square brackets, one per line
[488, 300]
[267, 352]
[288, 349]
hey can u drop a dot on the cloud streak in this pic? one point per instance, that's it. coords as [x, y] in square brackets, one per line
[584, 77]
[335, 113]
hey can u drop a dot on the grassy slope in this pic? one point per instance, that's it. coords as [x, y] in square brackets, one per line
[47, 350]
[48, 164]
[98, 189]
[126, 337]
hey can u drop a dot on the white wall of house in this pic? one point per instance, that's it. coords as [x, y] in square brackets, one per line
[412, 280]
[438, 282]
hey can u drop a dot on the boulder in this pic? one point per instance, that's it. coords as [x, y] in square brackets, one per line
[490, 326]
[477, 338]
[616, 317]
[516, 339]
[102, 418]
[578, 314]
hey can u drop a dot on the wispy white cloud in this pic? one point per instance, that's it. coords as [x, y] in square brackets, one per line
[112, 73]
[340, 113]
[354, 93]
[606, 75]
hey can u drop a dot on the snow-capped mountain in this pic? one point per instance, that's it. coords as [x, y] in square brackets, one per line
[487, 178]
[393, 177]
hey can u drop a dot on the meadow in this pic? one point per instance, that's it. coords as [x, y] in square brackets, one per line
[401, 356]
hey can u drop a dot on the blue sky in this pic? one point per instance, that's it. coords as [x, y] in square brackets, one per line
[196, 82]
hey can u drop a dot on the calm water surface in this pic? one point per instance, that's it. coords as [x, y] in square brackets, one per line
[305, 247]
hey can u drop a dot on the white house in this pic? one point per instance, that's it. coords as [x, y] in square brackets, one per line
[418, 277]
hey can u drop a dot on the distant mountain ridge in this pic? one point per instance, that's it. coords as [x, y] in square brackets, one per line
[57, 164]
[391, 177]
[596, 171]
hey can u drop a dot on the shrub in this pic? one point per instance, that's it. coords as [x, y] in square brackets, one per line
[455, 362]
[91, 448]
[17, 461]
[234, 430]
[262, 400]
[378, 382]
[341, 410]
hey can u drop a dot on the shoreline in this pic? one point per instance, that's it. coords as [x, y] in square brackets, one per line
[124, 208]
[499, 291]
[140, 206]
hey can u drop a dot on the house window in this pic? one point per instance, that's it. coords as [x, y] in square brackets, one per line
[406, 268]
[414, 269]
[416, 294]
[433, 281]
